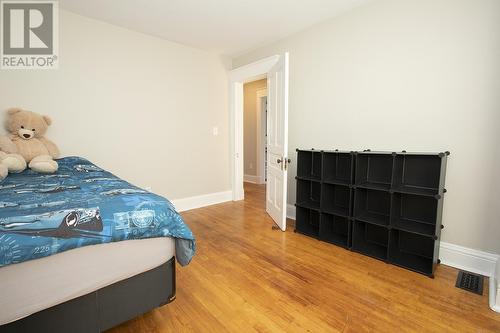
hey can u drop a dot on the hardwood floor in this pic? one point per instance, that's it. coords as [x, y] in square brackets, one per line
[247, 277]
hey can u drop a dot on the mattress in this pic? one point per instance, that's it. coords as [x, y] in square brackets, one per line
[35, 285]
[81, 205]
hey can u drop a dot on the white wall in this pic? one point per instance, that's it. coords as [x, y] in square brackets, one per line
[139, 106]
[420, 75]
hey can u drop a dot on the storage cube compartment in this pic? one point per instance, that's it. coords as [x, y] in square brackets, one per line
[374, 170]
[412, 251]
[334, 229]
[309, 164]
[308, 193]
[337, 167]
[370, 239]
[414, 213]
[336, 199]
[307, 221]
[418, 174]
[372, 206]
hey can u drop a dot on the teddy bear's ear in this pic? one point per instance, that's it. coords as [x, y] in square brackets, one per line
[12, 111]
[47, 120]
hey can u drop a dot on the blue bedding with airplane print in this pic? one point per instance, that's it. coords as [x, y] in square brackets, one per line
[80, 205]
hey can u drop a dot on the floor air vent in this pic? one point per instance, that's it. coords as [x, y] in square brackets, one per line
[470, 282]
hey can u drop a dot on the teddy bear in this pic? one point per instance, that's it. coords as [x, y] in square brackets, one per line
[3, 169]
[25, 145]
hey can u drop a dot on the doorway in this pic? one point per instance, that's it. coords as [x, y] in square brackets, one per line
[255, 131]
[275, 69]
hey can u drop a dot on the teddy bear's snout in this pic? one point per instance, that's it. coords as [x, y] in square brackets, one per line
[25, 134]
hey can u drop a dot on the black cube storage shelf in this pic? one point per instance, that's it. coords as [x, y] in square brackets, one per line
[308, 193]
[335, 229]
[414, 213]
[324, 185]
[336, 199]
[382, 204]
[418, 174]
[338, 167]
[309, 165]
[374, 170]
[415, 252]
[370, 239]
[307, 221]
[372, 206]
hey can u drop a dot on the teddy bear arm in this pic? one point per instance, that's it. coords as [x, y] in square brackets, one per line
[6, 145]
[51, 147]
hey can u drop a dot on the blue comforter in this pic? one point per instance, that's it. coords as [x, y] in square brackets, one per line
[81, 205]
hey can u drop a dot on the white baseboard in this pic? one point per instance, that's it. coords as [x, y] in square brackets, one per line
[457, 256]
[253, 179]
[468, 259]
[202, 200]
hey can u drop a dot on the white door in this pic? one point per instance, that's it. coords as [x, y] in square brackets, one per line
[277, 141]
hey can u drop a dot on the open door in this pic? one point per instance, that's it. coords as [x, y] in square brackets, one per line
[277, 141]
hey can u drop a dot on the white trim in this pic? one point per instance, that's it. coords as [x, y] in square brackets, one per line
[260, 137]
[457, 256]
[254, 70]
[468, 259]
[237, 77]
[252, 179]
[494, 290]
[199, 201]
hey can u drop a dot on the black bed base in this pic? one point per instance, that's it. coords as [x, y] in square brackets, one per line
[105, 308]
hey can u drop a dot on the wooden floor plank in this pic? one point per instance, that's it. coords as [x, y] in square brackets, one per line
[249, 277]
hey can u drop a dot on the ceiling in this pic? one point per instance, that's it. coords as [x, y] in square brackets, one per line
[228, 27]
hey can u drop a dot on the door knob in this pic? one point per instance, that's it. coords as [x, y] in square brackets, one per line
[279, 160]
[287, 163]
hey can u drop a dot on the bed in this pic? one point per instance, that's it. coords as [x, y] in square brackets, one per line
[82, 250]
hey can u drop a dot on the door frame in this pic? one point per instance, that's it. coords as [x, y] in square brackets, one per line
[238, 77]
[261, 143]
